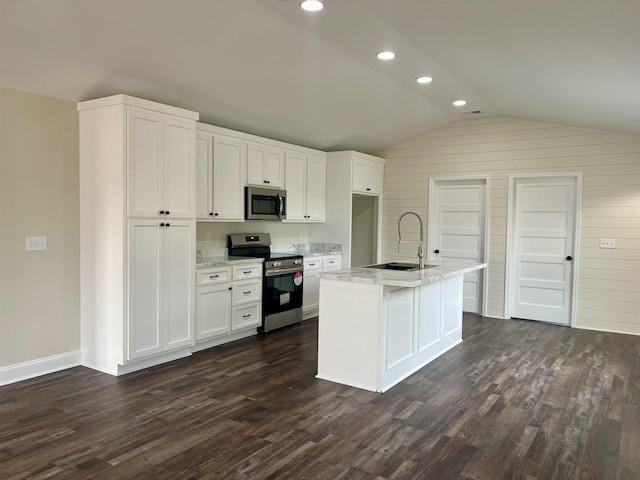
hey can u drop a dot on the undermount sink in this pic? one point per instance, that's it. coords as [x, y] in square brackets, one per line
[403, 267]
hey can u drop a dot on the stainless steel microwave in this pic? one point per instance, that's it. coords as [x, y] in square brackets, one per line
[265, 203]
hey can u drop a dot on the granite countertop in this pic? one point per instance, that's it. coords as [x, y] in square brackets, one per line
[375, 276]
[225, 260]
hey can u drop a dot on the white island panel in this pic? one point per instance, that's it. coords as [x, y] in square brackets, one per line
[348, 342]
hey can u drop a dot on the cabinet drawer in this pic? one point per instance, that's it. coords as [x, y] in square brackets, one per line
[247, 271]
[210, 276]
[249, 292]
[331, 263]
[312, 265]
[243, 317]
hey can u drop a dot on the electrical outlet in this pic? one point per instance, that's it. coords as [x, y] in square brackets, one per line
[207, 237]
[607, 243]
[36, 243]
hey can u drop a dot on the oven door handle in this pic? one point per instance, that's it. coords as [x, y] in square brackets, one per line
[272, 272]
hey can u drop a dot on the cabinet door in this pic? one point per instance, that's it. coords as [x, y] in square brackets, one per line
[367, 176]
[179, 167]
[213, 308]
[144, 163]
[315, 189]
[178, 281]
[255, 164]
[273, 169]
[265, 166]
[144, 276]
[295, 180]
[229, 163]
[204, 176]
[376, 177]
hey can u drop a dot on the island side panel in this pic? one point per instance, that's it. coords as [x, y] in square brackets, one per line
[349, 333]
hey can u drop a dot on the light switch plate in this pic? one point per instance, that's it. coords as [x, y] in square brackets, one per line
[36, 243]
[607, 243]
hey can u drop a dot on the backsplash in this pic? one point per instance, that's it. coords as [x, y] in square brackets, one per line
[281, 233]
[308, 248]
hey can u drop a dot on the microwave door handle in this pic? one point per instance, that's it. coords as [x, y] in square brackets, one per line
[279, 206]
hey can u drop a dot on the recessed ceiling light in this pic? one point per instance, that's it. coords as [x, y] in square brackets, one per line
[312, 5]
[424, 80]
[460, 103]
[386, 55]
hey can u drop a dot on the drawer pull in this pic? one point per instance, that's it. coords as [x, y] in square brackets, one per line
[247, 272]
[213, 276]
[246, 293]
[246, 316]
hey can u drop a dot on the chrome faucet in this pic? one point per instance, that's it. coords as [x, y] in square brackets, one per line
[420, 252]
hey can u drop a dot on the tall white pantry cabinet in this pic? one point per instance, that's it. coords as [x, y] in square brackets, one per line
[137, 233]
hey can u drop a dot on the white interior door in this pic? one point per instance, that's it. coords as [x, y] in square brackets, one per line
[542, 244]
[457, 226]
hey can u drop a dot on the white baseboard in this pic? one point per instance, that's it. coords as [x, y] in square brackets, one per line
[40, 366]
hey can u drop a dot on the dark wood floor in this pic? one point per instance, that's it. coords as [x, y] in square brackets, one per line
[517, 400]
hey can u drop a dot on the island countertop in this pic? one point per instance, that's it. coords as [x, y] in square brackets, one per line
[395, 278]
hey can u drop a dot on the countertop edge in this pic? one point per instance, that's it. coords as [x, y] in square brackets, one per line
[227, 261]
[400, 279]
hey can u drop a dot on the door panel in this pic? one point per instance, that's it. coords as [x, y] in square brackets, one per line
[229, 163]
[144, 281]
[178, 283]
[144, 163]
[543, 238]
[457, 231]
[178, 167]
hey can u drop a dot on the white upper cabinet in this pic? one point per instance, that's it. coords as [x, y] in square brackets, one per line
[315, 183]
[305, 185]
[265, 166]
[367, 176]
[160, 173]
[221, 164]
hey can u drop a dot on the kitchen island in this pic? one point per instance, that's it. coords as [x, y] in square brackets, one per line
[376, 326]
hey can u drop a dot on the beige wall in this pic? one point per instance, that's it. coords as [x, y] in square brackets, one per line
[608, 280]
[39, 291]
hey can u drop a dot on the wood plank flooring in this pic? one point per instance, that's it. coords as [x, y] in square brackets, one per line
[517, 400]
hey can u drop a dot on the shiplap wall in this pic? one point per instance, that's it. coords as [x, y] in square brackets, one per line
[608, 280]
[362, 231]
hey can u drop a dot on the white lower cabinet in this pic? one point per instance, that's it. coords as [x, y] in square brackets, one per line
[313, 267]
[160, 286]
[229, 303]
[244, 317]
[213, 306]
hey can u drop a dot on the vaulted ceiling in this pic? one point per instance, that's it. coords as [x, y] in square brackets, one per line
[268, 67]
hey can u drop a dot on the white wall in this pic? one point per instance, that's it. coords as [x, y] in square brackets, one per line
[608, 280]
[39, 291]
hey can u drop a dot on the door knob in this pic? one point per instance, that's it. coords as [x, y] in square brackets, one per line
[436, 251]
[569, 257]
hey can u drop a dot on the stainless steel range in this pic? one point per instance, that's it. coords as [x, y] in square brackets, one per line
[282, 279]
